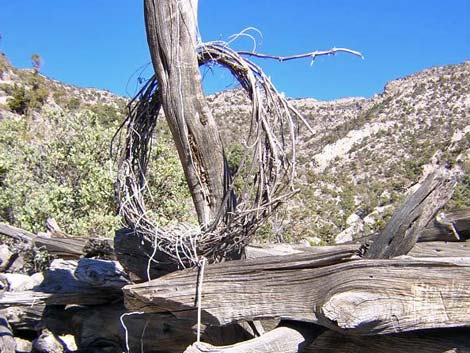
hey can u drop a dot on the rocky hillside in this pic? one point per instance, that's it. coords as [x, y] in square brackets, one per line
[364, 156]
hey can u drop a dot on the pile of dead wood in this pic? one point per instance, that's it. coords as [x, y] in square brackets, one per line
[406, 289]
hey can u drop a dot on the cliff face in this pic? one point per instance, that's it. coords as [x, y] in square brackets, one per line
[364, 156]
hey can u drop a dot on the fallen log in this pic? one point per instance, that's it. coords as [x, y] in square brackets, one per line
[66, 248]
[307, 338]
[61, 286]
[410, 219]
[291, 337]
[362, 296]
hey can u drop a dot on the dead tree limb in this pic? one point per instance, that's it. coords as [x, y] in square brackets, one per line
[408, 221]
[312, 55]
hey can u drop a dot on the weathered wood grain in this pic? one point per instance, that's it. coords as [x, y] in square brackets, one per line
[65, 248]
[363, 296]
[171, 35]
[101, 273]
[291, 337]
[408, 221]
[61, 286]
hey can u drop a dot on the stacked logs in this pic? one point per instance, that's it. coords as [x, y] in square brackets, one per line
[405, 289]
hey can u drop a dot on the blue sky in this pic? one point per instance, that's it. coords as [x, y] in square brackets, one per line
[102, 43]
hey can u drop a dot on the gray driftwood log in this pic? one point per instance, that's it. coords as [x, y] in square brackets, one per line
[64, 248]
[352, 296]
[289, 340]
[290, 337]
[61, 286]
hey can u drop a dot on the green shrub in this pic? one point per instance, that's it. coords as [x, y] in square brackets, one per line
[19, 101]
[65, 171]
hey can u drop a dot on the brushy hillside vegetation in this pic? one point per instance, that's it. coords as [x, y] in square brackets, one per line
[365, 156]
[55, 158]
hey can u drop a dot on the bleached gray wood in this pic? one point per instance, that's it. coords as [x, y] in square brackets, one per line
[101, 273]
[171, 35]
[362, 296]
[408, 221]
[65, 248]
[61, 286]
[289, 338]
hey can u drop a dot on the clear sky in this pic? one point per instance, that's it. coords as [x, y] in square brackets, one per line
[102, 43]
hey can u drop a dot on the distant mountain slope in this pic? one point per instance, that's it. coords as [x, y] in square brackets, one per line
[367, 153]
[364, 156]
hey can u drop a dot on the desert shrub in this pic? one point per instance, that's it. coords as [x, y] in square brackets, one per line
[19, 101]
[73, 103]
[31, 97]
[65, 172]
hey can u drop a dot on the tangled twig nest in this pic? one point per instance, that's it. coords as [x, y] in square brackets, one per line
[267, 167]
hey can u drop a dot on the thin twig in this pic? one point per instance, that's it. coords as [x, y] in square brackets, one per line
[311, 55]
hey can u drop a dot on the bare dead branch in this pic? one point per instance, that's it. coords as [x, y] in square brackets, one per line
[312, 55]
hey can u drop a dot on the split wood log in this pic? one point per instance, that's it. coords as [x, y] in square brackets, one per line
[409, 220]
[362, 296]
[7, 341]
[291, 337]
[61, 286]
[441, 249]
[134, 251]
[285, 339]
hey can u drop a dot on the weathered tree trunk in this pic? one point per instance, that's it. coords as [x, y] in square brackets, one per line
[172, 34]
